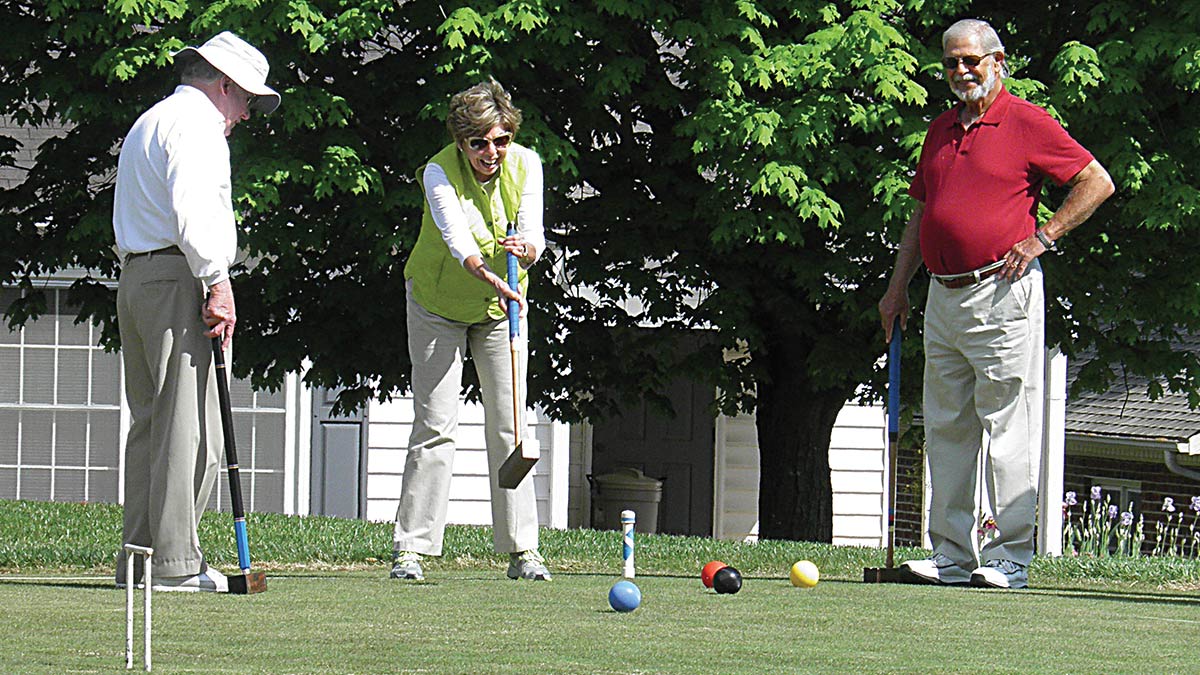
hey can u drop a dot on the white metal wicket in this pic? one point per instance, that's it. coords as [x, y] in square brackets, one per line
[147, 554]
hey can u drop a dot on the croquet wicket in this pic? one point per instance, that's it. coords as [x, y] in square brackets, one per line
[628, 518]
[147, 554]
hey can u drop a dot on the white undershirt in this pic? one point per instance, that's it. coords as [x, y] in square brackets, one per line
[455, 218]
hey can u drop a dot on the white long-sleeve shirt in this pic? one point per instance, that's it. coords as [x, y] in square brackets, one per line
[455, 218]
[174, 187]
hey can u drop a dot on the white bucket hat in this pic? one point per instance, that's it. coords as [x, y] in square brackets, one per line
[240, 62]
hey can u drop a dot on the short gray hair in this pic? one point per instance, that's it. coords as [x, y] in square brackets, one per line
[983, 33]
[475, 110]
[193, 68]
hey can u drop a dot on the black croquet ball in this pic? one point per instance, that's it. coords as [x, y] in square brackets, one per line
[727, 580]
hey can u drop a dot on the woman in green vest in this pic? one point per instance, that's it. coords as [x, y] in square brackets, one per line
[475, 189]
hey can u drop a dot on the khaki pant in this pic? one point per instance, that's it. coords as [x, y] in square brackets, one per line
[984, 348]
[437, 346]
[172, 453]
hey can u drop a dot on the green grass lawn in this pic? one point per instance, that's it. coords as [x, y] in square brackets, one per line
[331, 609]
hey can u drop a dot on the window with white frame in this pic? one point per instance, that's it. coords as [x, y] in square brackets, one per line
[60, 417]
[259, 424]
[60, 408]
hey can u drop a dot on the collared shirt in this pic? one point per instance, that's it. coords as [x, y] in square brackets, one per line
[455, 222]
[981, 185]
[174, 187]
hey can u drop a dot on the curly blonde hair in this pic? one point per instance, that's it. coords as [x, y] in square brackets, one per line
[475, 110]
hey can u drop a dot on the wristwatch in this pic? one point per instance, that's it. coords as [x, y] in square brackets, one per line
[1041, 236]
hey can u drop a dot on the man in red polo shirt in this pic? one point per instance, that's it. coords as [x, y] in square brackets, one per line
[977, 185]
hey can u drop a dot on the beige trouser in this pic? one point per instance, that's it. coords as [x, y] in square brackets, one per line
[984, 347]
[437, 346]
[172, 453]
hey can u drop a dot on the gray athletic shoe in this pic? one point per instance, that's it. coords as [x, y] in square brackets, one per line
[937, 569]
[527, 565]
[1000, 574]
[407, 565]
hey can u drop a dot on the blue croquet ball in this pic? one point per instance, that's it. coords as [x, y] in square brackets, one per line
[624, 596]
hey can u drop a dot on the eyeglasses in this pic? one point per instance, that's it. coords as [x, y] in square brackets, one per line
[250, 98]
[480, 144]
[970, 61]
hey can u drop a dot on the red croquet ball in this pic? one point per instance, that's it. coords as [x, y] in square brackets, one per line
[706, 574]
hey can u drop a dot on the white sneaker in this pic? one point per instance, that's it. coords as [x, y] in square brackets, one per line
[937, 569]
[528, 565]
[208, 581]
[407, 565]
[1000, 574]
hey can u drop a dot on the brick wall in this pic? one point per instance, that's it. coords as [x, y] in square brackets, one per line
[1081, 472]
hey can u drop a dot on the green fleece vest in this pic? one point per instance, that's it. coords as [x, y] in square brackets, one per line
[440, 283]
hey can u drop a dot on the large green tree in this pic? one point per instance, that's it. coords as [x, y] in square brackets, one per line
[738, 167]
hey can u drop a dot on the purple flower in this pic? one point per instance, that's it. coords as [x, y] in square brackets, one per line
[1196, 504]
[1126, 519]
[1168, 505]
[1069, 499]
[1112, 511]
[1096, 491]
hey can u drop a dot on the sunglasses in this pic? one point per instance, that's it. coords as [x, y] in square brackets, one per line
[250, 98]
[970, 61]
[480, 144]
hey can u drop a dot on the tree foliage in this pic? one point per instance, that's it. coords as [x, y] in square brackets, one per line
[739, 168]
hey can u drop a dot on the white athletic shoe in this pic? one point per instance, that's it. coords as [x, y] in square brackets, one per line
[1000, 574]
[407, 565]
[527, 565]
[208, 581]
[937, 569]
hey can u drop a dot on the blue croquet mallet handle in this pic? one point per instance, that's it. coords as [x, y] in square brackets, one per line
[893, 413]
[514, 308]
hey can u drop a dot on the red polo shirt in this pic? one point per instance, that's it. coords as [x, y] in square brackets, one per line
[981, 186]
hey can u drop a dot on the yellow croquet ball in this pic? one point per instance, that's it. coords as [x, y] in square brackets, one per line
[804, 574]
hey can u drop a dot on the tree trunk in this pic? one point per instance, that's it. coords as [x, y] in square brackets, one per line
[795, 422]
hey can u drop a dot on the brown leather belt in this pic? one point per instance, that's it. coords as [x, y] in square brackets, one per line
[968, 279]
[170, 250]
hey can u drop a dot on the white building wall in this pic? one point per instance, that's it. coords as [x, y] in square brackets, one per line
[857, 455]
[389, 425]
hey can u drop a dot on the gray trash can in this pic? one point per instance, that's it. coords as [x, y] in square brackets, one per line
[625, 488]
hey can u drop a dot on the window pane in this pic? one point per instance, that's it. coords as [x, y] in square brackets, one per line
[268, 449]
[39, 376]
[106, 377]
[268, 492]
[70, 441]
[10, 374]
[69, 332]
[8, 483]
[7, 296]
[106, 438]
[35, 484]
[103, 486]
[72, 376]
[269, 399]
[243, 428]
[41, 331]
[8, 437]
[69, 485]
[240, 393]
[36, 426]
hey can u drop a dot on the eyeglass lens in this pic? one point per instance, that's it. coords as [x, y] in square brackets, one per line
[970, 61]
[482, 143]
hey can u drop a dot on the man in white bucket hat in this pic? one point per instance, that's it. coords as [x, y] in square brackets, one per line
[175, 231]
